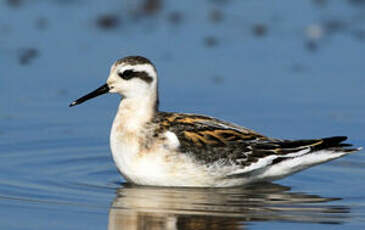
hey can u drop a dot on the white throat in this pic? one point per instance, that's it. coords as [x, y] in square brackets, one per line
[134, 112]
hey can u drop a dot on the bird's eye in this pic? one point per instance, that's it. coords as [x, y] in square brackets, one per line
[126, 75]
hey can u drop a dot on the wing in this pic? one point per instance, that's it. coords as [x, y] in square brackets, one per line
[210, 140]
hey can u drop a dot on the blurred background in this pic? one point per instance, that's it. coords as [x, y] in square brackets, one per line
[288, 70]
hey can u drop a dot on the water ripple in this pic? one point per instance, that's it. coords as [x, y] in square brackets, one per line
[187, 207]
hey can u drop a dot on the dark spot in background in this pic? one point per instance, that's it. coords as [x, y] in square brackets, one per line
[167, 56]
[359, 34]
[321, 3]
[14, 3]
[259, 30]
[211, 41]
[41, 23]
[175, 17]
[7, 117]
[298, 68]
[26, 55]
[5, 29]
[334, 26]
[108, 21]
[150, 7]
[68, 131]
[215, 16]
[222, 2]
[311, 45]
[339, 116]
[217, 79]
[356, 2]
[62, 92]
[67, 1]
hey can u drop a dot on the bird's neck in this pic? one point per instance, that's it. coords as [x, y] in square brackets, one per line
[134, 112]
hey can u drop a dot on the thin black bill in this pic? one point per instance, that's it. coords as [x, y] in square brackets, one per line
[99, 91]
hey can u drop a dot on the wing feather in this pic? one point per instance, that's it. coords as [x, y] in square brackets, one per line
[211, 140]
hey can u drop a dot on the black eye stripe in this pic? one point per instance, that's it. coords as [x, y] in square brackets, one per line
[129, 74]
[126, 75]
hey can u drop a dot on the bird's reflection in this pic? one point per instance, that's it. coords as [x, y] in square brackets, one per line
[138, 207]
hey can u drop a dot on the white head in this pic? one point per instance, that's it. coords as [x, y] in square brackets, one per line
[133, 77]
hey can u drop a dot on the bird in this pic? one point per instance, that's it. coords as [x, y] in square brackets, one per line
[155, 148]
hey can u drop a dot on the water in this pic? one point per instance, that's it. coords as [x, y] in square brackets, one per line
[293, 70]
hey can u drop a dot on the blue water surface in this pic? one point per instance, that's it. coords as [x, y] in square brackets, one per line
[293, 69]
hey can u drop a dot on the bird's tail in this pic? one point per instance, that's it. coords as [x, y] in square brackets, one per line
[326, 149]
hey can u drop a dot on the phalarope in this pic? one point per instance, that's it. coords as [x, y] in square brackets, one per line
[157, 148]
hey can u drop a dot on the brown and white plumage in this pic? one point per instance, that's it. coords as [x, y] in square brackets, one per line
[176, 149]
